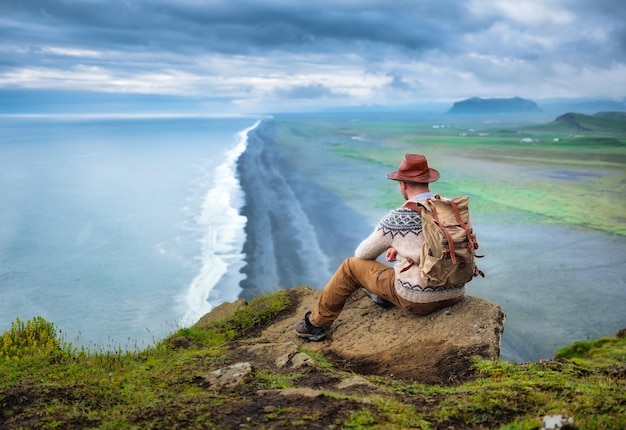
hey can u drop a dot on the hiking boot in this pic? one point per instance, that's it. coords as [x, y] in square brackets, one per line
[305, 329]
[378, 300]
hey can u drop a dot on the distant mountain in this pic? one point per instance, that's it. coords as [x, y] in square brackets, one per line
[601, 121]
[477, 105]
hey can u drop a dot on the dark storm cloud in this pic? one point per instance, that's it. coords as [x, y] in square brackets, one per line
[239, 26]
[609, 15]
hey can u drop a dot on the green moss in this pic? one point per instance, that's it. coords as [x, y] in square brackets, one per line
[276, 381]
[600, 353]
[399, 415]
[244, 319]
[360, 420]
[318, 359]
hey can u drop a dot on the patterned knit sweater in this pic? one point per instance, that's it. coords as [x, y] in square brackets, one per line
[401, 229]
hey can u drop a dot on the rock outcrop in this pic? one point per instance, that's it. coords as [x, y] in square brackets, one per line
[369, 340]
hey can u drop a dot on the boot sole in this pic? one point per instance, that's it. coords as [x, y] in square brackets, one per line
[313, 337]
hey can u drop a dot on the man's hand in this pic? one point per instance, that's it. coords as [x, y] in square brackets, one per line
[391, 255]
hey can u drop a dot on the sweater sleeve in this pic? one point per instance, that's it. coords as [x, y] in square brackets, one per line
[375, 244]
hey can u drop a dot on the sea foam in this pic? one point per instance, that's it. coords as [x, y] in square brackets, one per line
[223, 237]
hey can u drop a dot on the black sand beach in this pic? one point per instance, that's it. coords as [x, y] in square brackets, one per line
[297, 232]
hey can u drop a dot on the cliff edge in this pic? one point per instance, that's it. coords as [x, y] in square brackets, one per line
[369, 340]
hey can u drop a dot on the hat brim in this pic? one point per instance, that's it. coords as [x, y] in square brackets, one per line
[431, 176]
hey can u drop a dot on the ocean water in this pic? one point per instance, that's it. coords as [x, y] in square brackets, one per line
[119, 230]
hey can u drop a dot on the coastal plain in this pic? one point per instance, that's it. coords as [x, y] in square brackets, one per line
[531, 164]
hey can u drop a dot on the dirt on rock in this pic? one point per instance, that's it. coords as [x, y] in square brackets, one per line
[369, 340]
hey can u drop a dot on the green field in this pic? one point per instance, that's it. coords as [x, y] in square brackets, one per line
[561, 172]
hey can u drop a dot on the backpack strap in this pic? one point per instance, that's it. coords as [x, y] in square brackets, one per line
[413, 206]
[468, 232]
[471, 243]
[444, 229]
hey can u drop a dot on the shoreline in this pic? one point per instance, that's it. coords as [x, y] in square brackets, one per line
[297, 232]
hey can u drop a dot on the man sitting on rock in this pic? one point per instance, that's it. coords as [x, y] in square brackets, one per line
[399, 235]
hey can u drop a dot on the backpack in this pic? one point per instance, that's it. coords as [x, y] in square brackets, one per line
[449, 251]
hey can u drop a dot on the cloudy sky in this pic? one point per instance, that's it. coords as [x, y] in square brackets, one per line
[276, 55]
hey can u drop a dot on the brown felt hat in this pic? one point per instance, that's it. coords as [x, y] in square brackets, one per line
[414, 168]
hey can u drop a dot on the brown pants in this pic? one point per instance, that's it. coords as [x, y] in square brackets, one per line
[377, 278]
